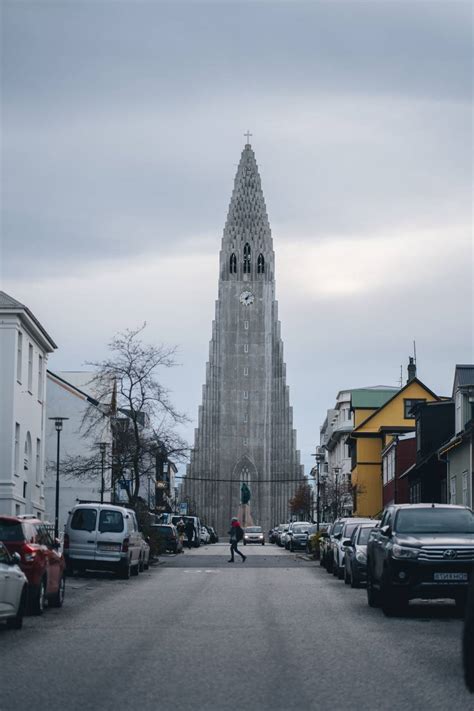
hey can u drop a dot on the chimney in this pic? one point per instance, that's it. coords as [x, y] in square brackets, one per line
[411, 369]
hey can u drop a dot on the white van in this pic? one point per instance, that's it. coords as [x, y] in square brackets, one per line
[103, 537]
[168, 518]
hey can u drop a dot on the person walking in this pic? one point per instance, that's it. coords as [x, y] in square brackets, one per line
[236, 534]
[189, 528]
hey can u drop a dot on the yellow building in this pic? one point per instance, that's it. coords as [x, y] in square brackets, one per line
[374, 427]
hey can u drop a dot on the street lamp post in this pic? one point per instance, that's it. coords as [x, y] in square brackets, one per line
[58, 423]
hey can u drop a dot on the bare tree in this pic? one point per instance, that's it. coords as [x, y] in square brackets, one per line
[300, 504]
[138, 408]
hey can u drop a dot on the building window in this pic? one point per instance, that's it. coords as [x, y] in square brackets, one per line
[452, 490]
[27, 453]
[233, 264]
[260, 264]
[385, 470]
[40, 378]
[465, 489]
[246, 325]
[418, 435]
[38, 461]
[247, 258]
[245, 441]
[19, 356]
[408, 407]
[246, 417]
[25, 485]
[246, 395]
[246, 371]
[30, 368]
[246, 348]
[17, 449]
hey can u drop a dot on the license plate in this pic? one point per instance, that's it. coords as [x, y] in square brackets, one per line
[450, 577]
[109, 546]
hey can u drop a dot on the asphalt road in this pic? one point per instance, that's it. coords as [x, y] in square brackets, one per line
[274, 633]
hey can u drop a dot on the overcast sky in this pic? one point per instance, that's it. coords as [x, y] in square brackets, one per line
[123, 122]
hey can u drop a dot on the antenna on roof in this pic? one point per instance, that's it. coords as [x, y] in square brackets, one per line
[414, 351]
[401, 376]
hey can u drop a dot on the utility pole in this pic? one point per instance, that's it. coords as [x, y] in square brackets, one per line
[58, 423]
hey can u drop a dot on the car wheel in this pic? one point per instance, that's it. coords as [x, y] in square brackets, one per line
[245, 543]
[125, 570]
[58, 598]
[291, 548]
[141, 565]
[38, 602]
[334, 568]
[16, 623]
[373, 595]
[263, 543]
[391, 601]
[347, 580]
[146, 565]
[355, 582]
[135, 569]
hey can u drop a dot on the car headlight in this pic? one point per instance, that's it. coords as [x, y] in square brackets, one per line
[361, 557]
[404, 553]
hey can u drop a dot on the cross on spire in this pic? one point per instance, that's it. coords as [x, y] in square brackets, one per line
[247, 135]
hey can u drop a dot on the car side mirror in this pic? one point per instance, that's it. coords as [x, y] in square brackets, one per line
[15, 559]
[386, 531]
[338, 536]
[347, 543]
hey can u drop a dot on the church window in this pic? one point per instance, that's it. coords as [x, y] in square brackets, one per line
[246, 417]
[246, 347]
[246, 371]
[246, 395]
[247, 258]
[245, 441]
[233, 264]
[260, 264]
[246, 325]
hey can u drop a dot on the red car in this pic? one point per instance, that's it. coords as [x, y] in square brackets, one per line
[41, 560]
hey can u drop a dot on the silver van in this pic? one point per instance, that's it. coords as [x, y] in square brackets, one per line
[103, 537]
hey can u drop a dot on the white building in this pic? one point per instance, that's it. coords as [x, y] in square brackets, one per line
[24, 349]
[336, 466]
[68, 395]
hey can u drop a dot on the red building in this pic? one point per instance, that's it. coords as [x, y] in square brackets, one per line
[397, 457]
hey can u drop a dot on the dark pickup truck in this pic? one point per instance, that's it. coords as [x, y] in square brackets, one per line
[420, 551]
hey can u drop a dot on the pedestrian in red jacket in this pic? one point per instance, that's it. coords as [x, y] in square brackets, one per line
[236, 534]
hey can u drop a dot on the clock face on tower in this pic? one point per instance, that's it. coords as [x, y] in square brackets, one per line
[246, 298]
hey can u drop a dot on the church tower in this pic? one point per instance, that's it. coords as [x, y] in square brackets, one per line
[245, 426]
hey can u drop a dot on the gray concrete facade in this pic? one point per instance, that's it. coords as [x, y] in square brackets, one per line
[245, 425]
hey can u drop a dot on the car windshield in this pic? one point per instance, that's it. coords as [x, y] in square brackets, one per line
[84, 519]
[253, 529]
[350, 528]
[435, 520]
[11, 531]
[299, 527]
[110, 521]
[364, 536]
[337, 528]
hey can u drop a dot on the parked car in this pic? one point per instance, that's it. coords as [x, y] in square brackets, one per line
[13, 589]
[338, 547]
[272, 535]
[174, 518]
[355, 559]
[205, 535]
[281, 540]
[103, 537]
[145, 555]
[168, 538]
[420, 551]
[468, 639]
[40, 559]
[325, 546]
[297, 535]
[254, 534]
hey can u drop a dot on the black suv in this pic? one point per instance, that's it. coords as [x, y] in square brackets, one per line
[420, 551]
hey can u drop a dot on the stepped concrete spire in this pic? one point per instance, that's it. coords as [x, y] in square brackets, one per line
[245, 423]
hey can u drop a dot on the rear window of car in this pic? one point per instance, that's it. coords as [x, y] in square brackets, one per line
[110, 521]
[435, 520]
[364, 536]
[84, 520]
[11, 531]
[163, 529]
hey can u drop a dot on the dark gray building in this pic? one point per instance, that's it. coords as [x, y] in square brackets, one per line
[245, 427]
